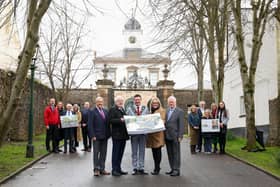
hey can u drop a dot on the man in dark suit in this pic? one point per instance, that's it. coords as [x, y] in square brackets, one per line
[99, 132]
[86, 138]
[173, 135]
[119, 135]
[68, 132]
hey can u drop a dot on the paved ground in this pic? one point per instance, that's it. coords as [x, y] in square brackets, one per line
[75, 170]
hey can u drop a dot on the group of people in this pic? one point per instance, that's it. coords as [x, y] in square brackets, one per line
[208, 138]
[71, 136]
[99, 124]
[102, 124]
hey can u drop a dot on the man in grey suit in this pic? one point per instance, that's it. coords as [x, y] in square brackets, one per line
[138, 142]
[173, 135]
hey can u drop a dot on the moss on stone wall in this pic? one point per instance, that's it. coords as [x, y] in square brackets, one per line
[18, 127]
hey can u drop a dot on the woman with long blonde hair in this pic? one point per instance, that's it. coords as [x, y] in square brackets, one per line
[156, 140]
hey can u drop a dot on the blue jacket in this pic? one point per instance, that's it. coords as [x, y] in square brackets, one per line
[194, 120]
[97, 126]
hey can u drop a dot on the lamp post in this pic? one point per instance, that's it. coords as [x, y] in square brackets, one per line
[30, 147]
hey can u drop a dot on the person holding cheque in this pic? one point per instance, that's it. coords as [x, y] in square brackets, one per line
[68, 131]
[138, 141]
[207, 136]
[119, 135]
[156, 140]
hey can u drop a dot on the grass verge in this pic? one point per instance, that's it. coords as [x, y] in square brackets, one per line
[265, 160]
[12, 155]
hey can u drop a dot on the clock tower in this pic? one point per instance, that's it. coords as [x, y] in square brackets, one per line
[132, 38]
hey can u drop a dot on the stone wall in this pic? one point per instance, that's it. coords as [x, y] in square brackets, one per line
[185, 98]
[274, 129]
[19, 124]
[79, 96]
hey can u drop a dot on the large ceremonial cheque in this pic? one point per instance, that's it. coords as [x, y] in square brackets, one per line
[69, 121]
[210, 125]
[144, 124]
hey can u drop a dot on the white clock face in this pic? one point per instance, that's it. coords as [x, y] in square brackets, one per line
[132, 39]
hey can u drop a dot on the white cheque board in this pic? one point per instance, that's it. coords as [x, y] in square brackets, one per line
[69, 121]
[210, 125]
[144, 124]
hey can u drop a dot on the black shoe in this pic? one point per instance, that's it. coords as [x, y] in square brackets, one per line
[142, 172]
[123, 172]
[169, 172]
[155, 172]
[175, 173]
[59, 150]
[55, 151]
[116, 174]
[135, 172]
[64, 152]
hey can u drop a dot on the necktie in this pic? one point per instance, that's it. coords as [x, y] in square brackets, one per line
[102, 113]
[169, 113]
[138, 111]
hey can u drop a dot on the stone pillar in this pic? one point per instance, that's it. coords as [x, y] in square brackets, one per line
[104, 89]
[274, 119]
[165, 89]
[274, 109]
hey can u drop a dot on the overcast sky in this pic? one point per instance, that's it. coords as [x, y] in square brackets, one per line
[107, 27]
[107, 33]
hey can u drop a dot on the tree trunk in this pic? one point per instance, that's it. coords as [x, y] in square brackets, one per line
[200, 72]
[260, 13]
[250, 116]
[23, 65]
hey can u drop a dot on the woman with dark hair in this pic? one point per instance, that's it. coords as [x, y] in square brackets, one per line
[194, 123]
[223, 116]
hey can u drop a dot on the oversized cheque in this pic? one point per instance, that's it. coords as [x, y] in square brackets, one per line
[144, 124]
[210, 125]
[69, 121]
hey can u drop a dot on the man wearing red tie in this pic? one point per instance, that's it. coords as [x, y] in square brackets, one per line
[99, 132]
[138, 142]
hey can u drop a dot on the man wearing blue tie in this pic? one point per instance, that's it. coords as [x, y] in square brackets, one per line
[173, 135]
[99, 132]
